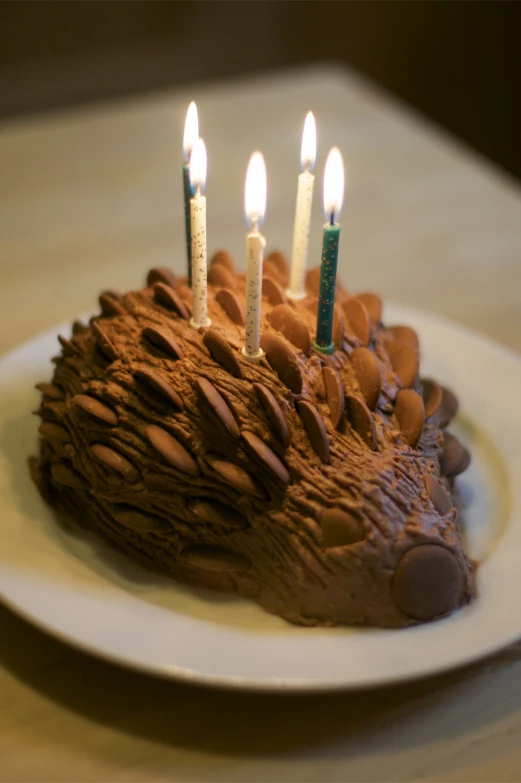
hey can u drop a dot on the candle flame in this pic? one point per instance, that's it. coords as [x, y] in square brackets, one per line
[191, 133]
[198, 162]
[333, 185]
[255, 190]
[308, 151]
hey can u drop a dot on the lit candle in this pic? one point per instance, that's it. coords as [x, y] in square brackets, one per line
[198, 233]
[190, 136]
[255, 207]
[306, 181]
[333, 197]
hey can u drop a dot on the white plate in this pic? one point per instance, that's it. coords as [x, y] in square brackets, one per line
[83, 592]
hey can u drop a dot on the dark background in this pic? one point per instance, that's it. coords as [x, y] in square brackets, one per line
[458, 62]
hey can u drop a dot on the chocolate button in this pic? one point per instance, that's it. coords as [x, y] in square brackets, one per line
[405, 362]
[455, 458]
[139, 521]
[410, 413]
[222, 353]
[267, 457]
[69, 347]
[313, 280]
[427, 582]
[215, 513]
[96, 409]
[51, 391]
[164, 341]
[373, 305]
[334, 395]
[273, 291]
[234, 475]
[166, 296]
[115, 461]
[104, 343]
[54, 432]
[172, 450]
[341, 528]
[110, 305]
[218, 406]
[68, 477]
[405, 335]
[278, 260]
[439, 497]
[231, 305]
[282, 360]
[210, 558]
[431, 393]
[273, 412]
[367, 372]
[315, 428]
[449, 406]
[360, 418]
[225, 259]
[218, 275]
[358, 322]
[161, 274]
[283, 319]
[158, 384]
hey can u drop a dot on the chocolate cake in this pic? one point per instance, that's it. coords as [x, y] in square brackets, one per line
[317, 485]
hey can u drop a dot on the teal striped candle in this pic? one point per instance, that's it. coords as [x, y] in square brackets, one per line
[190, 136]
[333, 197]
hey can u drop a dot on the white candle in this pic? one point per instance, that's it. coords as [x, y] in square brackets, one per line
[255, 207]
[198, 231]
[306, 180]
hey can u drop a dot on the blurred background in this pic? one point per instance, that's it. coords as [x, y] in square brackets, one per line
[457, 62]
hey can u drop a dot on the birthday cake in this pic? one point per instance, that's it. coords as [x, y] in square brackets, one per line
[319, 485]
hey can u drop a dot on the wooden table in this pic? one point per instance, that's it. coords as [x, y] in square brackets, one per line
[90, 199]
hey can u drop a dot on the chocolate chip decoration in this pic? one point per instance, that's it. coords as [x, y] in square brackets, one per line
[214, 513]
[448, 409]
[140, 521]
[341, 527]
[218, 406]
[404, 335]
[273, 291]
[273, 412]
[315, 429]
[158, 384]
[455, 458]
[64, 474]
[104, 343]
[110, 306]
[231, 305]
[278, 260]
[313, 280]
[222, 352]
[165, 295]
[115, 461]
[282, 361]
[373, 305]
[172, 451]
[283, 319]
[96, 409]
[404, 360]
[164, 341]
[267, 457]
[214, 559]
[334, 395]
[427, 582]
[440, 499]
[357, 321]
[234, 475]
[410, 413]
[432, 396]
[224, 259]
[161, 274]
[361, 420]
[68, 346]
[54, 432]
[51, 391]
[367, 371]
[220, 276]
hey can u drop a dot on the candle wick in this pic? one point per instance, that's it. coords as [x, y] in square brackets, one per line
[332, 217]
[198, 190]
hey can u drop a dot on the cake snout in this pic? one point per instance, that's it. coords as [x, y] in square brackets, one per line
[428, 582]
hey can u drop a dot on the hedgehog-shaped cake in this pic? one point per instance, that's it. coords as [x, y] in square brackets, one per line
[317, 485]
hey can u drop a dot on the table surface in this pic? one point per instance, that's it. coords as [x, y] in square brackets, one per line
[90, 199]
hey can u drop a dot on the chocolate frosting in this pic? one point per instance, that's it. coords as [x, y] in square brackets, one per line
[318, 485]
